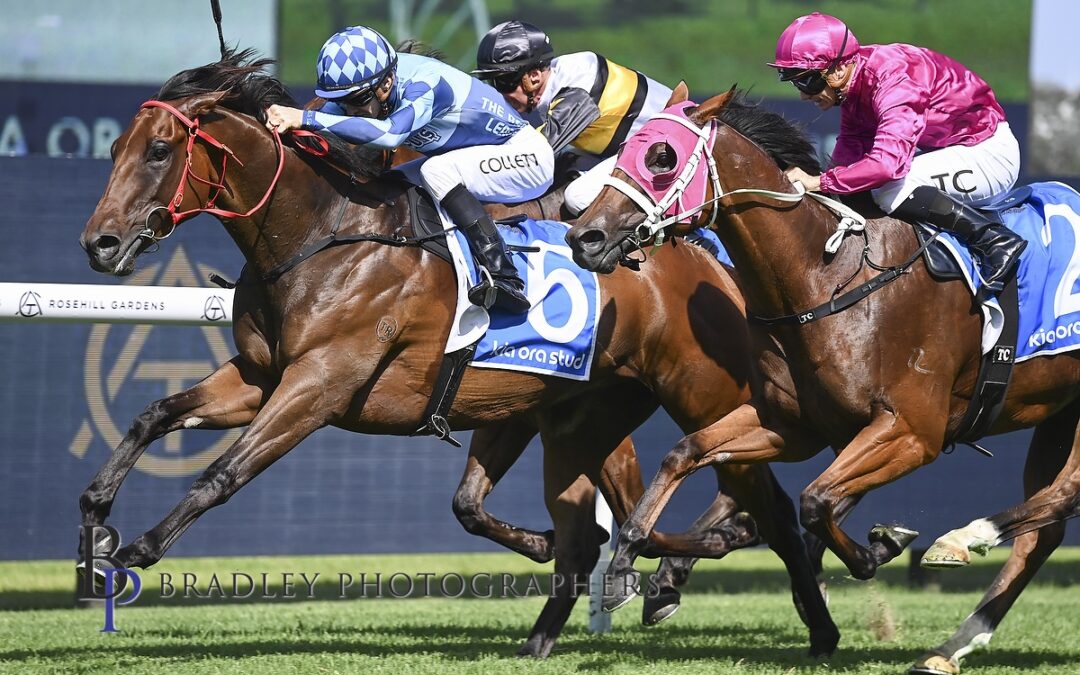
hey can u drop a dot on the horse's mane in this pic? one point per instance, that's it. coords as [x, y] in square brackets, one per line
[784, 141]
[250, 90]
[414, 46]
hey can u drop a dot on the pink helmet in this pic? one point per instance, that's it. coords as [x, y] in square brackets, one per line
[815, 41]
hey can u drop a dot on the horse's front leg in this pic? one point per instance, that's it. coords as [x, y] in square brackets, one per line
[308, 396]
[493, 450]
[230, 397]
[881, 452]
[739, 437]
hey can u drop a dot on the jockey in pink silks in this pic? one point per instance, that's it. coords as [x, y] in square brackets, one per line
[921, 132]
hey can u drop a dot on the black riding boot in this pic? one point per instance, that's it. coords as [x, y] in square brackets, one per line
[489, 250]
[997, 247]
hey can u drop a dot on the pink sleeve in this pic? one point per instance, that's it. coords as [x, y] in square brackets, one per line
[849, 149]
[899, 108]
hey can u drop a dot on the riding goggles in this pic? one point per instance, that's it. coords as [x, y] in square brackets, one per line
[504, 84]
[358, 99]
[810, 82]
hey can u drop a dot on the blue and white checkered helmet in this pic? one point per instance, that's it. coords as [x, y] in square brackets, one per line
[355, 59]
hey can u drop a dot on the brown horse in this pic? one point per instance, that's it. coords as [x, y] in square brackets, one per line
[885, 383]
[352, 337]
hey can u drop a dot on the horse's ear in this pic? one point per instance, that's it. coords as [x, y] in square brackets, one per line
[679, 94]
[711, 108]
[203, 103]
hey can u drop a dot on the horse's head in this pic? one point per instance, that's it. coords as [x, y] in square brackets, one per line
[201, 147]
[158, 171]
[659, 185]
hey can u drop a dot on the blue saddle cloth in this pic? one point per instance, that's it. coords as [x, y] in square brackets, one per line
[558, 335]
[1047, 215]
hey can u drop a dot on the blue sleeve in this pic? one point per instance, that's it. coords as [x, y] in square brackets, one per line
[420, 103]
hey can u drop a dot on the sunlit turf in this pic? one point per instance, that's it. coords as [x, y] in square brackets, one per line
[737, 617]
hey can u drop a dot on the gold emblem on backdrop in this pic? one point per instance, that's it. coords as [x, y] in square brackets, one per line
[104, 381]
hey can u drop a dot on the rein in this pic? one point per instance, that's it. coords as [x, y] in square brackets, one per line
[308, 142]
[333, 239]
[850, 221]
[835, 305]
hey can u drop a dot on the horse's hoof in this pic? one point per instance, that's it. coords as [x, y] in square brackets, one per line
[935, 664]
[823, 642]
[120, 581]
[894, 538]
[623, 587]
[945, 556]
[535, 648]
[660, 607]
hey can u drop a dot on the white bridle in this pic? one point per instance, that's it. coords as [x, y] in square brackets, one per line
[655, 222]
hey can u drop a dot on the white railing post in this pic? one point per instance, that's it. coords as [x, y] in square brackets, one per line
[599, 621]
[32, 302]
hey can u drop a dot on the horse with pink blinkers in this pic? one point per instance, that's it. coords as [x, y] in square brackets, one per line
[846, 381]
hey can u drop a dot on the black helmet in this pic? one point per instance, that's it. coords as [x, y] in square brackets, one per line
[511, 47]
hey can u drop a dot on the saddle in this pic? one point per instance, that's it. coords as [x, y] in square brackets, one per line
[427, 226]
[995, 369]
[425, 222]
[939, 262]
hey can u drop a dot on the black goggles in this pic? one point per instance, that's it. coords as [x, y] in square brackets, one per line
[504, 84]
[810, 82]
[358, 99]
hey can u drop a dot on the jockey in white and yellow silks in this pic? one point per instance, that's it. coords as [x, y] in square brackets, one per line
[583, 102]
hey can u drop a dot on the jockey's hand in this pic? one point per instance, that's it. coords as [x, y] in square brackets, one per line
[282, 118]
[797, 175]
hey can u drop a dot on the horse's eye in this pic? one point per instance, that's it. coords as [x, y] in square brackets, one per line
[160, 151]
[660, 158]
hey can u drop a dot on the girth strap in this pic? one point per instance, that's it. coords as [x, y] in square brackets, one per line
[995, 371]
[442, 396]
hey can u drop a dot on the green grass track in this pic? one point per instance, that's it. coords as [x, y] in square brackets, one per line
[736, 618]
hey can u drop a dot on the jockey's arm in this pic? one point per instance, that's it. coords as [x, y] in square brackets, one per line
[570, 112]
[900, 109]
[420, 103]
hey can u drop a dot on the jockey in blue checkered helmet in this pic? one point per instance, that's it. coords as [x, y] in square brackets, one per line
[474, 148]
[354, 62]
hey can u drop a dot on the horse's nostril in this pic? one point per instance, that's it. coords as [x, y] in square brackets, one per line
[592, 239]
[106, 245]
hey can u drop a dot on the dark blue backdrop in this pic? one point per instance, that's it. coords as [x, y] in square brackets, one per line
[68, 391]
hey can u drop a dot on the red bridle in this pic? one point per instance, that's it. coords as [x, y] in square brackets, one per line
[195, 132]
